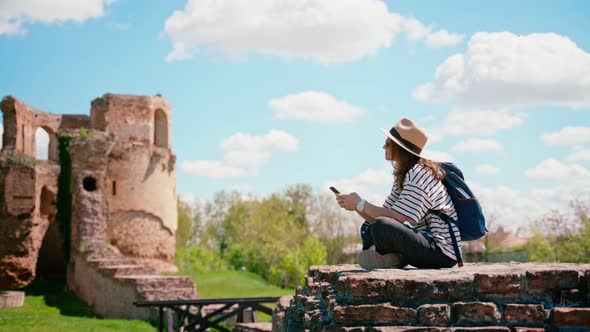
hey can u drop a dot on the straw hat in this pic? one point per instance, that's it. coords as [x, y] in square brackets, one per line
[408, 135]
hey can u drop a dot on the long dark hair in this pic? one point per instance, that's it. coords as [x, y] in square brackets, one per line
[406, 160]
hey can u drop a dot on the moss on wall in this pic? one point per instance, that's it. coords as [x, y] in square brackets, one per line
[64, 191]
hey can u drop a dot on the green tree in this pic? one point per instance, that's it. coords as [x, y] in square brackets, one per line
[300, 201]
[560, 237]
[190, 224]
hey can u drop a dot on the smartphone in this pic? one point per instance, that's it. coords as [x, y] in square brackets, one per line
[334, 190]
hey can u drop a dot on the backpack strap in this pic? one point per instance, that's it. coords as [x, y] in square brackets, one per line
[450, 222]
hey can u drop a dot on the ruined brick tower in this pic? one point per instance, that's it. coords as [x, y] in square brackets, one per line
[123, 202]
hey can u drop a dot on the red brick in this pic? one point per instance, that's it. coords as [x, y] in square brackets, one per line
[407, 329]
[363, 289]
[309, 281]
[497, 283]
[573, 317]
[434, 314]
[410, 292]
[525, 314]
[539, 281]
[571, 296]
[343, 329]
[475, 313]
[373, 314]
[482, 329]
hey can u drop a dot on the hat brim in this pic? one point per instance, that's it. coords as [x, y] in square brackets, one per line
[388, 134]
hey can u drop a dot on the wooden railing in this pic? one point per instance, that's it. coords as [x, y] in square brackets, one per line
[190, 315]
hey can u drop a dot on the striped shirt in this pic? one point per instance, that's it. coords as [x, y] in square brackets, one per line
[420, 194]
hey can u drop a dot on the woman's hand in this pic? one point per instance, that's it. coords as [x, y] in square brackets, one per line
[348, 201]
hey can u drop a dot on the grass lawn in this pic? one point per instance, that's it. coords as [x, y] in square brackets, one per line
[50, 307]
[234, 284]
[219, 284]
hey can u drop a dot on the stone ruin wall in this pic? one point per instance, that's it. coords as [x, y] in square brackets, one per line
[123, 186]
[98, 272]
[502, 297]
[142, 223]
[28, 188]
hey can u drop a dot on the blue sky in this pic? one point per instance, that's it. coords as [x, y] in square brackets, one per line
[270, 93]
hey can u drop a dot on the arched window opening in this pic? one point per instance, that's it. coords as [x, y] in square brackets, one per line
[160, 129]
[41, 144]
[89, 183]
[114, 188]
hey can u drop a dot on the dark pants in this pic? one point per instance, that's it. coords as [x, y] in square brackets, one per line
[415, 248]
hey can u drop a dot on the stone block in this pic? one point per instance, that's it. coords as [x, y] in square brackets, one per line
[407, 329]
[571, 297]
[12, 299]
[434, 314]
[475, 313]
[373, 314]
[570, 317]
[547, 280]
[279, 321]
[482, 329]
[343, 329]
[253, 327]
[363, 290]
[531, 315]
[497, 283]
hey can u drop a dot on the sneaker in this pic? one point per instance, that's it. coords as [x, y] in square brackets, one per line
[370, 260]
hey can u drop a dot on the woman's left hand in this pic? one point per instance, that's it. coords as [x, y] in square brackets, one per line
[348, 201]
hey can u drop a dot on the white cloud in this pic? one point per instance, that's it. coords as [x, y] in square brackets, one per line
[274, 141]
[486, 169]
[324, 31]
[372, 184]
[436, 155]
[415, 30]
[178, 54]
[314, 106]
[552, 169]
[507, 207]
[568, 136]
[15, 13]
[188, 197]
[443, 38]
[477, 145]
[579, 155]
[514, 209]
[242, 152]
[505, 70]
[212, 169]
[477, 123]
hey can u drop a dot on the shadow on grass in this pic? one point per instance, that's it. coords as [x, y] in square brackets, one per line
[56, 294]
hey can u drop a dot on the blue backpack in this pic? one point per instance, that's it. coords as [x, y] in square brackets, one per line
[470, 219]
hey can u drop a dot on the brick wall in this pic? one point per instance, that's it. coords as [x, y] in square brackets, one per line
[477, 297]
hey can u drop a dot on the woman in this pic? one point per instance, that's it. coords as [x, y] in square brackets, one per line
[403, 231]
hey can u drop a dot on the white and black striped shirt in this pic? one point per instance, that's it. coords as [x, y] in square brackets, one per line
[420, 194]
